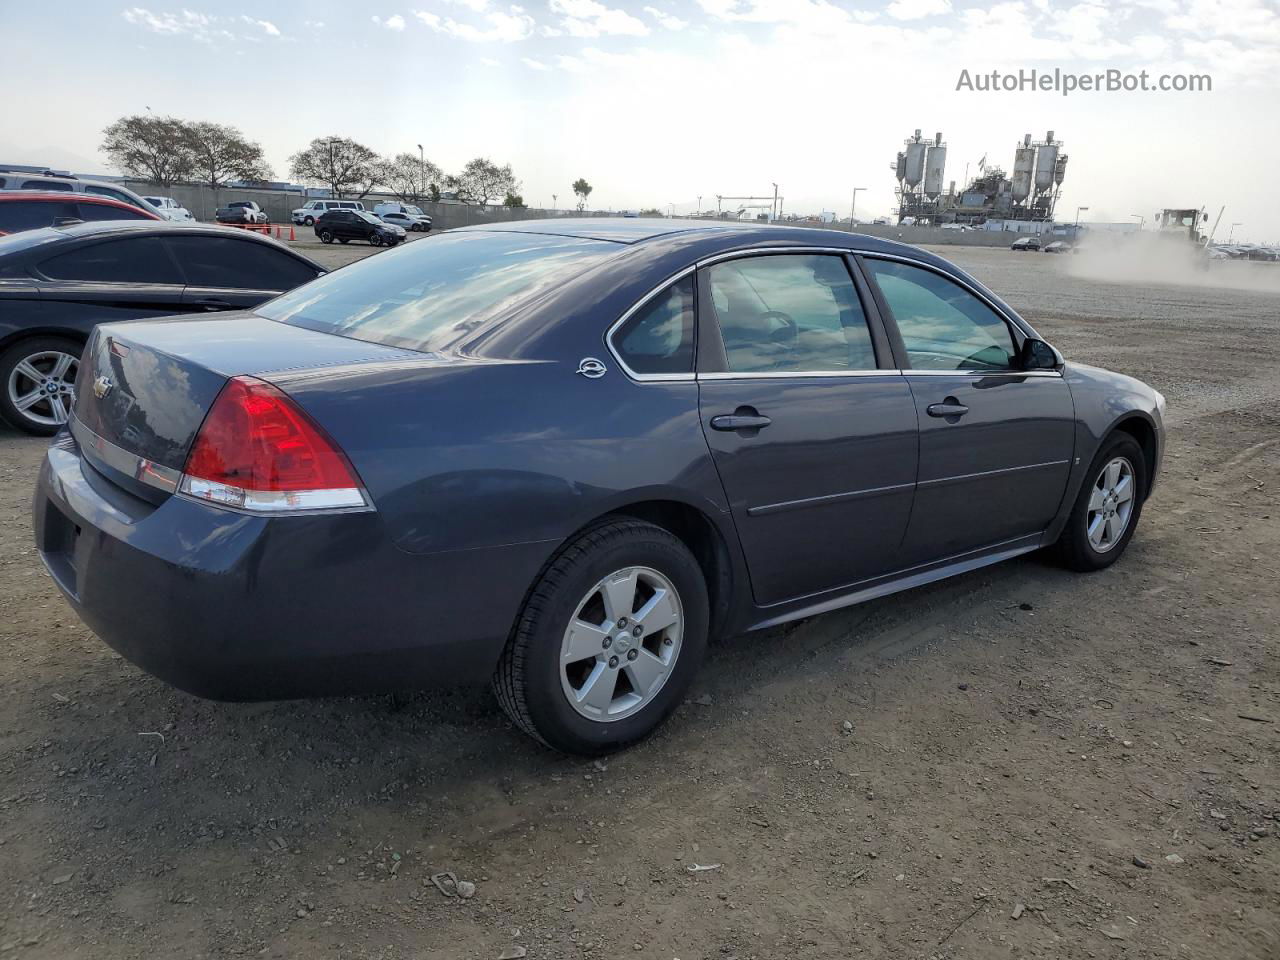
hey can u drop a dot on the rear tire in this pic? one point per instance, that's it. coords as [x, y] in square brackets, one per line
[572, 675]
[37, 383]
[1107, 508]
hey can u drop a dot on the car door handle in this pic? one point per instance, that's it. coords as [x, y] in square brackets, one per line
[739, 421]
[948, 408]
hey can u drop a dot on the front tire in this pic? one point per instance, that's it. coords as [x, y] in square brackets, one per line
[1107, 508]
[609, 640]
[38, 382]
[326, 236]
[375, 240]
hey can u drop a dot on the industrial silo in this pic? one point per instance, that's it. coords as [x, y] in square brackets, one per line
[934, 166]
[900, 167]
[915, 163]
[1060, 170]
[1024, 159]
[1046, 163]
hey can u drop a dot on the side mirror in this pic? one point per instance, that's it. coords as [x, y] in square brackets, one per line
[1038, 355]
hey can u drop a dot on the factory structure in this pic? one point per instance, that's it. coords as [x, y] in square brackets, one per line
[1028, 196]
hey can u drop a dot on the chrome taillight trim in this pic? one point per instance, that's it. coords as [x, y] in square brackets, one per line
[276, 502]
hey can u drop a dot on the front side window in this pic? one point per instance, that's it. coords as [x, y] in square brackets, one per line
[658, 338]
[943, 326]
[134, 260]
[238, 264]
[19, 215]
[789, 312]
[108, 192]
[431, 294]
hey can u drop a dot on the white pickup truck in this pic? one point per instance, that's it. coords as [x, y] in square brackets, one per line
[240, 211]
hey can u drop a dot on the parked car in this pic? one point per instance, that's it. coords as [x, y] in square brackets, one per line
[347, 225]
[1025, 244]
[240, 211]
[403, 215]
[31, 209]
[52, 182]
[408, 222]
[170, 208]
[312, 209]
[497, 454]
[57, 283]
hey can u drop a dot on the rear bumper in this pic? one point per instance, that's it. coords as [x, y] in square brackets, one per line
[236, 607]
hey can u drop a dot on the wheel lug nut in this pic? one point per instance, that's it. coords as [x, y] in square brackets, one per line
[608, 642]
[613, 661]
[632, 653]
[622, 623]
[638, 631]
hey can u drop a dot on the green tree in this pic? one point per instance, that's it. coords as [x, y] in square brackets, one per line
[513, 200]
[221, 153]
[482, 180]
[582, 190]
[412, 178]
[341, 164]
[155, 149]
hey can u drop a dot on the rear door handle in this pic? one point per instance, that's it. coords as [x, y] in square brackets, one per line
[948, 408]
[738, 421]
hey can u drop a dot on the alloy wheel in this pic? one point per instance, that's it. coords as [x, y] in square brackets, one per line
[1111, 504]
[42, 386]
[621, 644]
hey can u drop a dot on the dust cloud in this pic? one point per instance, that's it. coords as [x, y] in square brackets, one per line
[1154, 259]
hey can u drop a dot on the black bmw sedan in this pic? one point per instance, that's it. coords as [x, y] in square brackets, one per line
[57, 283]
[562, 455]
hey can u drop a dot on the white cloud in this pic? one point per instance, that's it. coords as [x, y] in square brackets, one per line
[588, 18]
[201, 27]
[394, 22]
[498, 26]
[667, 20]
[533, 64]
[918, 9]
[267, 27]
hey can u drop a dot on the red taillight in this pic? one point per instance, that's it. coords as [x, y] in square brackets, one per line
[256, 450]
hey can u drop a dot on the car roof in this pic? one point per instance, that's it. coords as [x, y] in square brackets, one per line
[120, 228]
[706, 235]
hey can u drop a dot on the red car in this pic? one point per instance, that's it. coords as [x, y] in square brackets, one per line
[30, 209]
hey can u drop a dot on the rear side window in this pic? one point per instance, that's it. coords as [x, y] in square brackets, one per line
[19, 215]
[433, 293]
[108, 211]
[790, 313]
[240, 264]
[658, 338]
[943, 326]
[108, 192]
[132, 260]
[47, 185]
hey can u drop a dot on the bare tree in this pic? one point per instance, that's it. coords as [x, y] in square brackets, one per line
[221, 153]
[342, 165]
[151, 148]
[582, 190]
[482, 180]
[413, 179]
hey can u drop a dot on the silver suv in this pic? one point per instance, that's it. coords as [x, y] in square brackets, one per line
[16, 180]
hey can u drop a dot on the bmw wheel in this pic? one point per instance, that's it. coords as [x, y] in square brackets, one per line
[609, 639]
[375, 240]
[1107, 509]
[38, 383]
[326, 236]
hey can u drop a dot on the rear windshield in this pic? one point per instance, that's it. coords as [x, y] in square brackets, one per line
[429, 294]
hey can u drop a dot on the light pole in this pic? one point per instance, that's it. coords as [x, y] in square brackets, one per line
[773, 211]
[1232, 232]
[1079, 210]
[698, 212]
[333, 187]
[553, 200]
[1142, 221]
[422, 169]
[853, 205]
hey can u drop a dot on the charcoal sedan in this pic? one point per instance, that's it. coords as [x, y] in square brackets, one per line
[561, 455]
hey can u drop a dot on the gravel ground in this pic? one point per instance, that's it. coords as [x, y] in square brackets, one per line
[1021, 762]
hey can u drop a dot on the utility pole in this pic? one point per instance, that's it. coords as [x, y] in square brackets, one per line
[853, 205]
[773, 210]
[553, 200]
[698, 212]
[422, 169]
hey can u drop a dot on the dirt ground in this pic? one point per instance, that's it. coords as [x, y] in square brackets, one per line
[1021, 762]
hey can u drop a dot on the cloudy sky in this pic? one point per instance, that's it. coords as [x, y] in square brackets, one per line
[658, 102]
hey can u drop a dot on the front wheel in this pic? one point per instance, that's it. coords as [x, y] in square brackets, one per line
[1107, 509]
[375, 240]
[38, 383]
[326, 236]
[609, 639]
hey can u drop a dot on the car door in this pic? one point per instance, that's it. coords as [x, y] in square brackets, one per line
[120, 279]
[812, 429]
[235, 272]
[996, 441]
